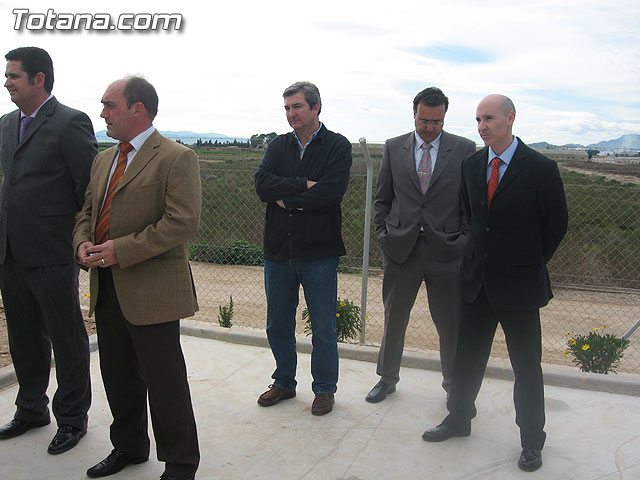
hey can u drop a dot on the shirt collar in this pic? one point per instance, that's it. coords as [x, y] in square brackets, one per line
[35, 112]
[313, 135]
[507, 155]
[137, 141]
[419, 141]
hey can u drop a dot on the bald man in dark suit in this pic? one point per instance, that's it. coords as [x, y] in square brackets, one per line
[515, 204]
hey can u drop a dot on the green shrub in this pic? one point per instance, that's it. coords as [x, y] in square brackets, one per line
[347, 320]
[595, 352]
[226, 314]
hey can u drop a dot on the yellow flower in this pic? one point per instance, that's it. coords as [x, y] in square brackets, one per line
[568, 333]
[596, 329]
[565, 353]
[337, 314]
[88, 295]
[342, 304]
[585, 347]
[573, 342]
[604, 326]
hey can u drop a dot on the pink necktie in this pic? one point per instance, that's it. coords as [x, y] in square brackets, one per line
[424, 168]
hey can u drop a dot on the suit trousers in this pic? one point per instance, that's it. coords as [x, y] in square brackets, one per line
[524, 341]
[399, 291]
[43, 310]
[136, 361]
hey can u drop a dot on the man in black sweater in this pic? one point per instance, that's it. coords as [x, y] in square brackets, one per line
[302, 179]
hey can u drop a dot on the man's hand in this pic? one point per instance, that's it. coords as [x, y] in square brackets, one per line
[310, 183]
[280, 203]
[92, 256]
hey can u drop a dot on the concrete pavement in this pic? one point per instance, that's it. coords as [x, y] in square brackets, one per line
[591, 435]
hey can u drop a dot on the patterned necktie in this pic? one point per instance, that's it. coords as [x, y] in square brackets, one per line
[493, 179]
[424, 168]
[24, 124]
[104, 219]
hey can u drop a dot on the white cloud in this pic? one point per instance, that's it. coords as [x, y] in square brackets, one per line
[572, 68]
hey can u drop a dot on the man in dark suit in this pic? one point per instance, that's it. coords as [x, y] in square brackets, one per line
[422, 232]
[142, 207]
[517, 211]
[46, 150]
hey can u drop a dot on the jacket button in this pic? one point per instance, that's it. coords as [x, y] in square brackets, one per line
[486, 255]
[486, 229]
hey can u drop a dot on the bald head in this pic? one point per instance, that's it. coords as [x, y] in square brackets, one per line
[495, 116]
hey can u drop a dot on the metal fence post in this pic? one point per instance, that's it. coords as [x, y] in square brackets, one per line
[367, 238]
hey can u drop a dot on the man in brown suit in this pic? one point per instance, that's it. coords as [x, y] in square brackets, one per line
[132, 233]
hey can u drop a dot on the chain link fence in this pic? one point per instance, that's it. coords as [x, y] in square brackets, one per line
[595, 272]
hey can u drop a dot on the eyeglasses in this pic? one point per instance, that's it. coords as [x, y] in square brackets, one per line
[435, 123]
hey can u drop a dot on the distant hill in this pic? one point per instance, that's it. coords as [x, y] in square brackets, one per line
[630, 142]
[549, 146]
[184, 136]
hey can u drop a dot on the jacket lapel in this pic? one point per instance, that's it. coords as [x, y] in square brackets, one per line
[146, 153]
[41, 118]
[409, 159]
[442, 161]
[516, 165]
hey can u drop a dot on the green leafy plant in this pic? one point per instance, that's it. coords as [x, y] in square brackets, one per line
[596, 352]
[226, 314]
[347, 320]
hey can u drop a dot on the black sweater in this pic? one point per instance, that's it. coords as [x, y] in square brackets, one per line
[310, 227]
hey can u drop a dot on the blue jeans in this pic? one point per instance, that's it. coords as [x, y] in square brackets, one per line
[319, 279]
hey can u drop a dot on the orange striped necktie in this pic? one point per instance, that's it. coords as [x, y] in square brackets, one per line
[104, 219]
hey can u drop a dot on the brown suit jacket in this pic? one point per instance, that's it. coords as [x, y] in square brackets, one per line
[154, 213]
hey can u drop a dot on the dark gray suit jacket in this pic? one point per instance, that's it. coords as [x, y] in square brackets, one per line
[43, 185]
[400, 208]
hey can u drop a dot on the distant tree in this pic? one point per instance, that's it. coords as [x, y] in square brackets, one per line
[592, 153]
[261, 139]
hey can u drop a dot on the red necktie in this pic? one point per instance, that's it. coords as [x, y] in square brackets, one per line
[493, 180]
[104, 219]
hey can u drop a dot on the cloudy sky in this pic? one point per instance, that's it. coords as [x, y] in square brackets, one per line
[572, 67]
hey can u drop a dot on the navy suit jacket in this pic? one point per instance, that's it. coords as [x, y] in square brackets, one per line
[510, 244]
[44, 181]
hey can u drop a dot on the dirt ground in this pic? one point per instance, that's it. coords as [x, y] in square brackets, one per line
[576, 311]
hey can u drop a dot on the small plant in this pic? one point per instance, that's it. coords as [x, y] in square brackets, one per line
[596, 352]
[226, 314]
[347, 320]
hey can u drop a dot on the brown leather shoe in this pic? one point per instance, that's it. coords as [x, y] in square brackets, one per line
[322, 404]
[274, 395]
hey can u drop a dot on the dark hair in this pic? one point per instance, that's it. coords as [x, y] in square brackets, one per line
[310, 91]
[137, 89]
[431, 97]
[34, 60]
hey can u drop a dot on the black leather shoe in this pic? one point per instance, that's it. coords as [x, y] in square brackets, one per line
[17, 427]
[66, 438]
[171, 477]
[530, 459]
[115, 462]
[443, 432]
[379, 392]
